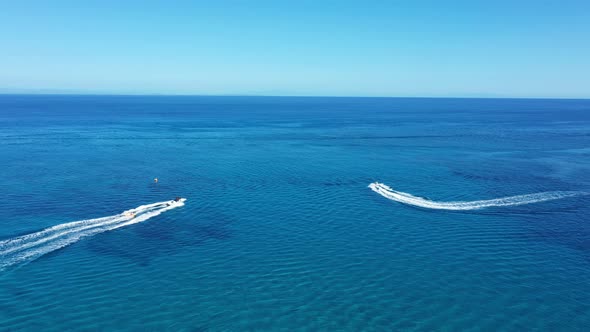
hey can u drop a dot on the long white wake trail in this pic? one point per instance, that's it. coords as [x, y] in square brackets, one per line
[25, 248]
[406, 198]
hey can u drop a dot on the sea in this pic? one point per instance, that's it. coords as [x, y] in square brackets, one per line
[301, 214]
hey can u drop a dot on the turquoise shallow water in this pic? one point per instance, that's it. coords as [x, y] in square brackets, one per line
[280, 230]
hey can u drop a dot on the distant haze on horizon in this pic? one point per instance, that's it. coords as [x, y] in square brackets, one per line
[536, 49]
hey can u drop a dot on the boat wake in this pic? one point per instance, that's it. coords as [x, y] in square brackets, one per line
[26, 248]
[406, 198]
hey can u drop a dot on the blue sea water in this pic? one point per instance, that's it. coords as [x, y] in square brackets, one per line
[280, 230]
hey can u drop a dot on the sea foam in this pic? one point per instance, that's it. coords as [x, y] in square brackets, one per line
[26, 248]
[409, 199]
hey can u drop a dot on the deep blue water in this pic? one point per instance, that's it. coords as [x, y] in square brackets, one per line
[279, 230]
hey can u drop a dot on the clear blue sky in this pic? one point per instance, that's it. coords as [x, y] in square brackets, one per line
[516, 48]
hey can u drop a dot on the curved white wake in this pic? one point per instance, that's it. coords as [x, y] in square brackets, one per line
[25, 248]
[406, 198]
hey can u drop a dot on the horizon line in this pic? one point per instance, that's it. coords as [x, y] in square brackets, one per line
[270, 96]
